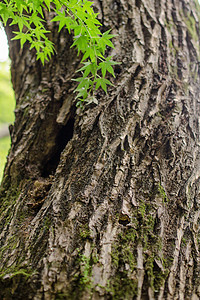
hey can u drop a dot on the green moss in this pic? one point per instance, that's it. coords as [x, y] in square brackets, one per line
[10, 244]
[162, 193]
[186, 87]
[171, 45]
[192, 29]
[95, 256]
[173, 49]
[191, 26]
[156, 276]
[84, 231]
[152, 246]
[149, 269]
[123, 284]
[169, 26]
[19, 272]
[142, 209]
[26, 112]
[82, 281]
[184, 241]
[46, 223]
[16, 269]
[159, 279]
[8, 200]
[122, 287]
[124, 245]
[8, 193]
[197, 5]
[13, 281]
[85, 279]
[62, 296]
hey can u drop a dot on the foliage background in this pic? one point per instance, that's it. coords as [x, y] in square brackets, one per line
[7, 104]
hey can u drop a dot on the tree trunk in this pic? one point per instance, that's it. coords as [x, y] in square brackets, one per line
[103, 203]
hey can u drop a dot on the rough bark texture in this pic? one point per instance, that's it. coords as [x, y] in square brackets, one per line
[104, 203]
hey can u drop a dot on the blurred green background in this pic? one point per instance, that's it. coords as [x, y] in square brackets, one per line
[7, 104]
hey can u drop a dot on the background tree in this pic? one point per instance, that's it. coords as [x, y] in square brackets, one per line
[103, 203]
[6, 112]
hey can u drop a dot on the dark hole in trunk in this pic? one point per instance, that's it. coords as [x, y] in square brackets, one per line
[64, 136]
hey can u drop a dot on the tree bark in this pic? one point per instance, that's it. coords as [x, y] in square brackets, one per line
[103, 203]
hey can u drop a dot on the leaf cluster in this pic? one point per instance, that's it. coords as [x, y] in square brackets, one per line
[79, 18]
